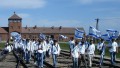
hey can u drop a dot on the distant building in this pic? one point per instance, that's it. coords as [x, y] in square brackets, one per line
[15, 25]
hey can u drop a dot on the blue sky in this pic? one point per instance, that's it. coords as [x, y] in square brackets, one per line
[66, 13]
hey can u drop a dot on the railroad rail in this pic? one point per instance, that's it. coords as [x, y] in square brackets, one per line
[96, 59]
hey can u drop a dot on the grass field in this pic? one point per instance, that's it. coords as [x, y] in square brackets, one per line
[2, 46]
[66, 47]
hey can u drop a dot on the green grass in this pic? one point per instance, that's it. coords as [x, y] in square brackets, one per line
[65, 46]
[2, 45]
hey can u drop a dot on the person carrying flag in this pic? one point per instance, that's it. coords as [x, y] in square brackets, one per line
[101, 48]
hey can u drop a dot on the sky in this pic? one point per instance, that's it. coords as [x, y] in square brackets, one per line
[65, 13]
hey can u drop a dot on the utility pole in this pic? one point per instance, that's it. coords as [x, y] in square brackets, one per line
[97, 20]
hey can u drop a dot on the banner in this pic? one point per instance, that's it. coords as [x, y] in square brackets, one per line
[78, 34]
[113, 33]
[94, 32]
[106, 37]
[63, 36]
[42, 36]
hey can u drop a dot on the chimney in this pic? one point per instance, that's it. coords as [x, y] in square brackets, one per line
[35, 27]
[52, 27]
[26, 27]
[60, 27]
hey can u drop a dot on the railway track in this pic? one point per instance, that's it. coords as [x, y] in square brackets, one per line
[96, 60]
[64, 61]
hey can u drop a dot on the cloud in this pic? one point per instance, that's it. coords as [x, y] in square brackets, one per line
[95, 1]
[24, 15]
[22, 4]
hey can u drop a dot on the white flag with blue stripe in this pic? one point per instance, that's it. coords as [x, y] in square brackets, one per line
[16, 36]
[113, 33]
[78, 34]
[42, 36]
[63, 36]
[94, 32]
[106, 37]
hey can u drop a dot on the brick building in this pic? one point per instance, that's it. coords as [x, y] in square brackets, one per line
[15, 25]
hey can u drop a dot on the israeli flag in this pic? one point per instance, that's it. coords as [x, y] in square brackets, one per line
[94, 32]
[63, 36]
[13, 34]
[16, 36]
[106, 37]
[78, 34]
[113, 33]
[42, 36]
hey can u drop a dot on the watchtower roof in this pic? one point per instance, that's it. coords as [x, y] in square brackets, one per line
[14, 16]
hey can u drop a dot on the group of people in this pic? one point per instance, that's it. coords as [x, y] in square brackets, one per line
[80, 50]
[38, 49]
[84, 50]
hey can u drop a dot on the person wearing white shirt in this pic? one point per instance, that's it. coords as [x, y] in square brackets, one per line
[40, 55]
[90, 52]
[55, 52]
[71, 45]
[75, 54]
[101, 47]
[113, 50]
[82, 54]
[43, 43]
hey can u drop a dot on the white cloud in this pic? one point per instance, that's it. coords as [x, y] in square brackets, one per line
[24, 15]
[23, 4]
[94, 1]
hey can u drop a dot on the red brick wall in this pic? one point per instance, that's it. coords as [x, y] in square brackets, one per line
[4, 36]
[15, 26]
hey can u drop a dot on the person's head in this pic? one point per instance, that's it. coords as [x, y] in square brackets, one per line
[113, 40]
[47, 41]
[82, 42]
[55, 41]
[71, 38]
[102, 40]
[91, 41]
[76, 42]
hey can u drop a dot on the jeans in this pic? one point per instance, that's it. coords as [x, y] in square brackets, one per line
[27, 57]
[75, 62]
[40, 60]
[54, 56]
[82, 58]
[113, 56]
[35, 56]
[101, 59]
[44, 55]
